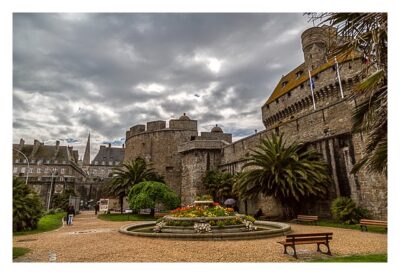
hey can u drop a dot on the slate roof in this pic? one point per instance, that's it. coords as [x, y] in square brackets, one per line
[108, 153]
[46, 152]
[293, 81]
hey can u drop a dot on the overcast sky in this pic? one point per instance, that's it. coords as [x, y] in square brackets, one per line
[103, 73]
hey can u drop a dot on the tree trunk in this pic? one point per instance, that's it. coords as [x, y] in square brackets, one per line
[121, 202]
[152, 212]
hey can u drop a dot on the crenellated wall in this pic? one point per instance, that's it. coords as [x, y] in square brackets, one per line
[158, 145]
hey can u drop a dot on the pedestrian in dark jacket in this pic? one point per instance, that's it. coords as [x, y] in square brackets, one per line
[96, 208]
[70, 214]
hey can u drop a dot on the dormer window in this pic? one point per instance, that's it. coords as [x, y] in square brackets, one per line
[299, 73]
[284, 83]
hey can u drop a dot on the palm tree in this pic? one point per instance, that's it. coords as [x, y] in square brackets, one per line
[367, 33]
[219, 184]
[289, 173]
[129, 174]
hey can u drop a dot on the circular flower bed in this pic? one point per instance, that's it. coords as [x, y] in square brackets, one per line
[196, 210]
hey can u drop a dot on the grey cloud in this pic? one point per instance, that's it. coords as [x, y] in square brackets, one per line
[100, 59]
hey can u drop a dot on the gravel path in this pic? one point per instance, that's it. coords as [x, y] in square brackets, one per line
[92, 240]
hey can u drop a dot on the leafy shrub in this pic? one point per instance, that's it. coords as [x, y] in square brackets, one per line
[27, 207]
[250, 218]
[51, 212]
[345, 210]
[148, 193]
[220, 224]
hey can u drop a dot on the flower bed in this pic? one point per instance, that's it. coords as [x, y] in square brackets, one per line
[194, 211]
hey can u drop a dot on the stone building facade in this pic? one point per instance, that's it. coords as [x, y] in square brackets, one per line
[321, 119]
[98, 171]
[52, 168]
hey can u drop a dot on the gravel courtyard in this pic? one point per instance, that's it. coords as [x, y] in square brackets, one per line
[92, 240]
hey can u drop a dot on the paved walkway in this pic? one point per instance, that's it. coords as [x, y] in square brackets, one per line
[92, 240]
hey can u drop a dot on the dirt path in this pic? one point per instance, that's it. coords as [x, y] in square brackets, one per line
[92, 240]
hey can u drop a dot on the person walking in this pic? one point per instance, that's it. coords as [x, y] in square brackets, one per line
[70, 214]
[96, 208]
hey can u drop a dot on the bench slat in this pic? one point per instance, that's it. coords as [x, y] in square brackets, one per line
[310, 234]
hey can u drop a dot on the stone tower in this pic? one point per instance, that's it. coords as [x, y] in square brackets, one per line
[86, 156]
[317, 43]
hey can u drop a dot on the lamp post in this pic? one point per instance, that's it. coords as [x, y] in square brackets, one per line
[27, 161]
[53, 173]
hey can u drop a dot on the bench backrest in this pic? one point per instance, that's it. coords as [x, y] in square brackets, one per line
[307, 218]
[326, 236]
[366, 221]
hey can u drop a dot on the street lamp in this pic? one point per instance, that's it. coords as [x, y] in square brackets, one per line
[27, 161]
[53, 173]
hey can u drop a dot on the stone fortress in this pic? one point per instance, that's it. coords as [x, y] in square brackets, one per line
[322, 121]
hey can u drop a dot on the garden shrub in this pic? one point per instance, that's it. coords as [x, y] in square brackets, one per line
[345, 210]
[27, 207]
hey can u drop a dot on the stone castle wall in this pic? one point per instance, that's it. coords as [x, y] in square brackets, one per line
[298, 102]
[158, 145]
[328, 130]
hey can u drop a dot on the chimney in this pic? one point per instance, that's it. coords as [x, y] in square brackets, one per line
[57, 144]
[123, 145]
[21, 143]
[109, 145]
[36, 145]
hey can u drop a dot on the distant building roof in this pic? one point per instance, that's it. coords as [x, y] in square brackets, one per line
[39, 151]
[108, 153]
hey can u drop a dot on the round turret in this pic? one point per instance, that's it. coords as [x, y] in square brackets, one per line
[314, 41]
[216, 129]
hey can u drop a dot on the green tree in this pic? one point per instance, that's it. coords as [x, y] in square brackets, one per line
[367, 33]
[148, 194]
[27, 207]
[129, 174]
[62, 200]
[289, 173]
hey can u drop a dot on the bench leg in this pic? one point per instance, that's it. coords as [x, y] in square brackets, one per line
[327, 246]
[294, 251]
[285, 251]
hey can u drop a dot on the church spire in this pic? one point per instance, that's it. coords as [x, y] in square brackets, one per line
[86, 156]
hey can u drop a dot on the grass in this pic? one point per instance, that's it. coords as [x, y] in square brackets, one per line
[371, 258]
[46, 223]
[19, 251]
[124, 217]
[331, 223]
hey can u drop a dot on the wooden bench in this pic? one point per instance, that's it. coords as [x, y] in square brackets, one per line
[364, 223]
[308, 238]
[306, 218]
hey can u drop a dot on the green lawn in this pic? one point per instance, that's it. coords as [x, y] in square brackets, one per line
[19, 251]
[331, 223]
[46, 223]
[371, 258]
[124, 217]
